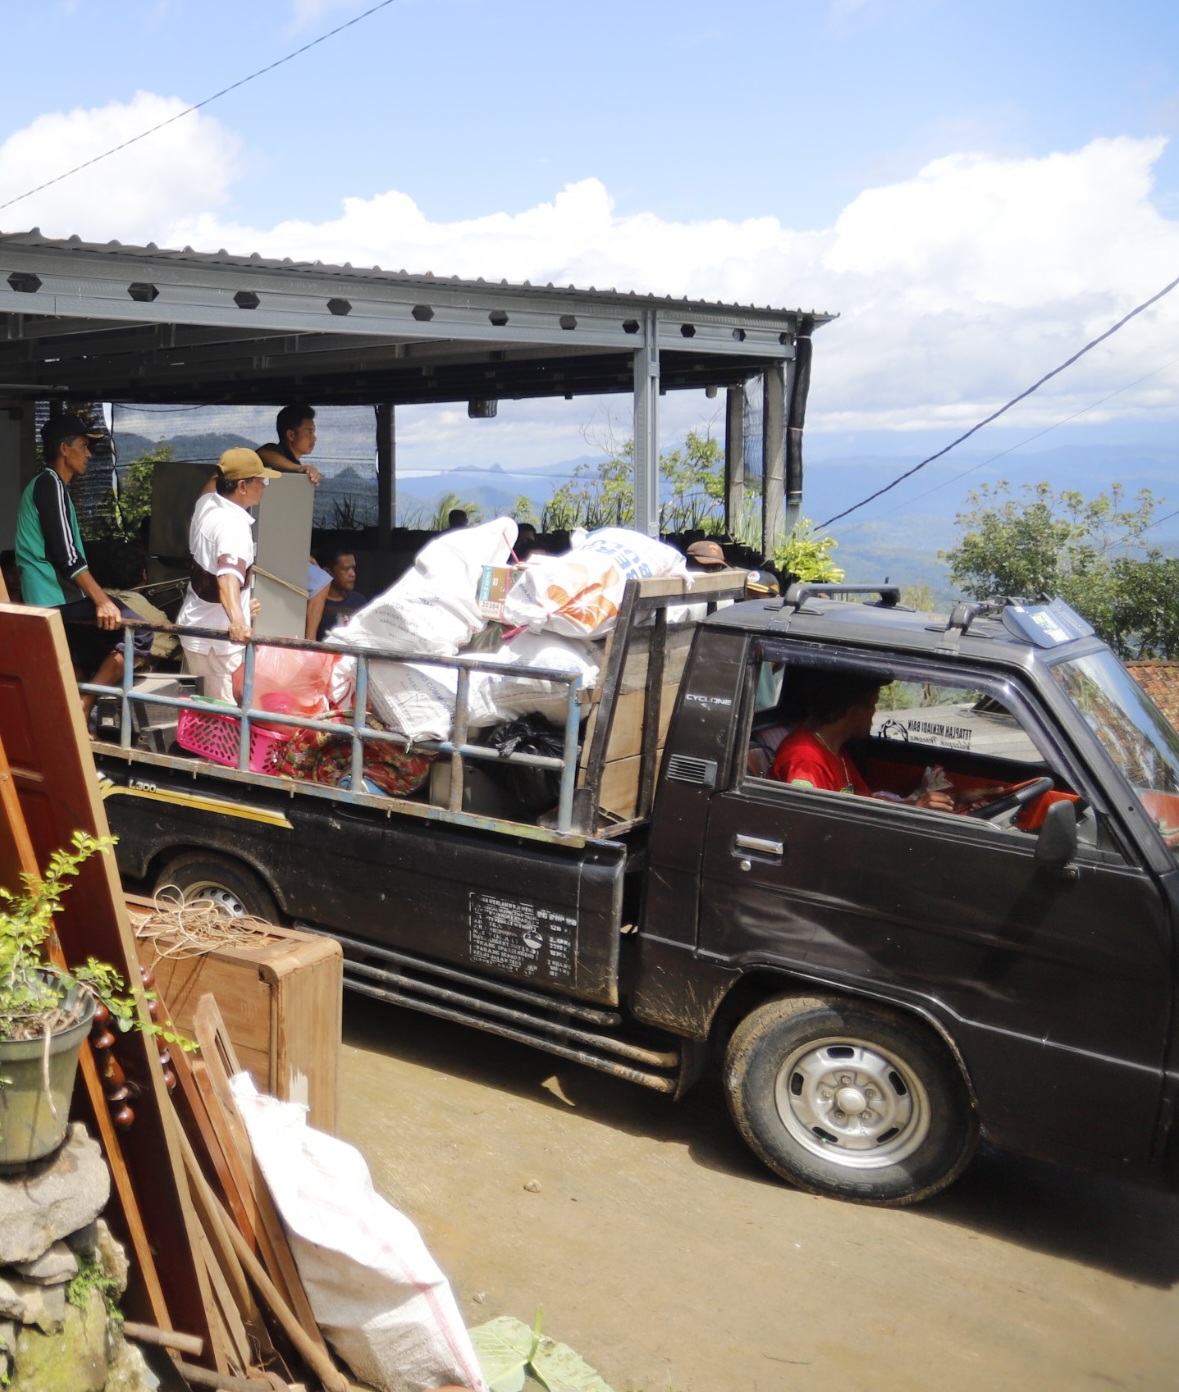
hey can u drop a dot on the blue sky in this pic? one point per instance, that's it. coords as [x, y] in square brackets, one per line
[978, 189]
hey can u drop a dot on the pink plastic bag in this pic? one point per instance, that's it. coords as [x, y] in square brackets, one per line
[289, 681]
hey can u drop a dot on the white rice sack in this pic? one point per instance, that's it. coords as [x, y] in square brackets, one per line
[521, 695]
[418, 698]
[433, 608]
[415, 699]
[578, 595]
[456, 559]
[374, 1289]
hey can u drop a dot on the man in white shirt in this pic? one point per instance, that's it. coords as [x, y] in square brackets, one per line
[221, 548]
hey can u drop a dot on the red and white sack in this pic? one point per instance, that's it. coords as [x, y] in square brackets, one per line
[579, 594]
[375, 1291]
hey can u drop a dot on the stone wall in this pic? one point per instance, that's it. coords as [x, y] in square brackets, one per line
[60, 1273]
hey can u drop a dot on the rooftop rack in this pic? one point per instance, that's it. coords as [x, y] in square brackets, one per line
[798, 594]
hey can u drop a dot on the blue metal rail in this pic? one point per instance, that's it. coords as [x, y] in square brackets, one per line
[458, 747]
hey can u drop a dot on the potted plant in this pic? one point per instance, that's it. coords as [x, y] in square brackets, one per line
[45, 1010]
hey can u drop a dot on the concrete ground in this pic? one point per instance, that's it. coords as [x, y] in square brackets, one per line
[651, 1241]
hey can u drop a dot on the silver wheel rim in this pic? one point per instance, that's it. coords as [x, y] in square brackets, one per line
[217, 895]
[852, 1104]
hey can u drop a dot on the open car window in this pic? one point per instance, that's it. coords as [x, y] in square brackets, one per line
[951, 719]
[930, 736]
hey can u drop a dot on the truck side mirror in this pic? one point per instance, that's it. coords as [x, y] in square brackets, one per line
[1056, 844]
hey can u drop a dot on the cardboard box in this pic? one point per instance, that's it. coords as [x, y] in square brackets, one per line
[281, 995]
[494, 586]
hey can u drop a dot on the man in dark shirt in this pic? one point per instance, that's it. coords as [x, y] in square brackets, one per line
[54, 571]
[296, 438]
[343, 598]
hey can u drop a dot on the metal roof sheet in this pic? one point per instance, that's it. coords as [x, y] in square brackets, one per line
[255, 260]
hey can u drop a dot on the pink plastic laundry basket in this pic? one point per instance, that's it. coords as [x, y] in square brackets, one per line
[215, 737]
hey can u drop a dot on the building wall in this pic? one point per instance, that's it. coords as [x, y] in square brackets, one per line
[10, 470]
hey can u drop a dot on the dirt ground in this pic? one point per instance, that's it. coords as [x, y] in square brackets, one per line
[655, 1245]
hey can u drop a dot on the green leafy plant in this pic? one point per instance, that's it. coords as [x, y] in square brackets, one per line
[807, 556]
[601, 494]
[33, 990]
[120, 515]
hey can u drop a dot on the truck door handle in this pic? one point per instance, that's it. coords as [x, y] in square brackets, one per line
[759, 845]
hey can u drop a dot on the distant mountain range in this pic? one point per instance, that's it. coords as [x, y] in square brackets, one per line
[898, 534]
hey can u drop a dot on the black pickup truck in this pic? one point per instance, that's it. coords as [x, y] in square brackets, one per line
[882, 982]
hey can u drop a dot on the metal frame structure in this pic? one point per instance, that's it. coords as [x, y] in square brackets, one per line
[87, 321]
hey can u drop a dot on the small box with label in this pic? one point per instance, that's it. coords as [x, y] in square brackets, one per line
[494, 586]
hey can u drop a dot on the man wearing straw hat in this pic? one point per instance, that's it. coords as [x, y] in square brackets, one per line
[221, 547]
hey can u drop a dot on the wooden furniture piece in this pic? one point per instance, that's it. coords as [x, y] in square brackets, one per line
[50, 790]
[280, 996]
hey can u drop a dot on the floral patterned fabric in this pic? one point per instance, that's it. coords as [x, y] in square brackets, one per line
[319, 757]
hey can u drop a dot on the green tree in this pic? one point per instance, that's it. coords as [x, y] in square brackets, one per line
[452, 502]
[120, 518]
[1091, 552]
[602, 494]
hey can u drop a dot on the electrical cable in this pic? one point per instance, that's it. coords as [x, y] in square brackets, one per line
[1011, 449]
[1015, 400]
[270, 67]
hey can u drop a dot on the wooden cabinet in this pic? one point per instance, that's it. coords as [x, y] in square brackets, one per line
[280, 994]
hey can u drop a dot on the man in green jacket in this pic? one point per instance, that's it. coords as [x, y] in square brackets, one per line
[54, 571]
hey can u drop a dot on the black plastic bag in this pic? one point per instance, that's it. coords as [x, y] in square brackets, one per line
[534, 788]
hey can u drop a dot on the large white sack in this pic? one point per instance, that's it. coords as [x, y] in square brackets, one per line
[374, 1289]
[579, 594]
[520, 695]
[433, 608]
[418, 698]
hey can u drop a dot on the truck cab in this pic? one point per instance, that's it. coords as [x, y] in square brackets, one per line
[896, 977]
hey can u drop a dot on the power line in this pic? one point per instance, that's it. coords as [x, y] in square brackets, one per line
[270, 67]
[1039, 434]
[1015, 400]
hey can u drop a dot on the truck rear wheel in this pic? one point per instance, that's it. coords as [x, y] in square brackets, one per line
[227, 883]
[844, 1099]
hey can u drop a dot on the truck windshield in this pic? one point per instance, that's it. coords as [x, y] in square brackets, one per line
[1135, 734]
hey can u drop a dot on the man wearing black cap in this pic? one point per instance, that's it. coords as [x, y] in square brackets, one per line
[54, 572]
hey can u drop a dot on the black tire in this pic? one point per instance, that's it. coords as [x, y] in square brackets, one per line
[793, 1061]
[228, 883]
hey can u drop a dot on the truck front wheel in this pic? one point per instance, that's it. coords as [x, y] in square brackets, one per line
[845, 1099]
[230, 885]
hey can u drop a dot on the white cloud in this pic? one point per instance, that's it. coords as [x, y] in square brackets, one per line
[958, 286]
[178, 172]
[310, 12]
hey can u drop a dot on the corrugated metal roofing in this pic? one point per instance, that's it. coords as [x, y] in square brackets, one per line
[255, 260]
[104, 321]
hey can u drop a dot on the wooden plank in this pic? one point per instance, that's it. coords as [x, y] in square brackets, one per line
[220, 1063]
[620, 787]
[195, 1120]
[57, 786]
[213, 1217]
[634, 670]
[231, 1345]
[626, 736]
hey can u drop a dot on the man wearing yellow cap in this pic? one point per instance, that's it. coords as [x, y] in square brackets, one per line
[221, 547]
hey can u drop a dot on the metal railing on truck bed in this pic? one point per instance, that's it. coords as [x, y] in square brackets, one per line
[629, 707]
